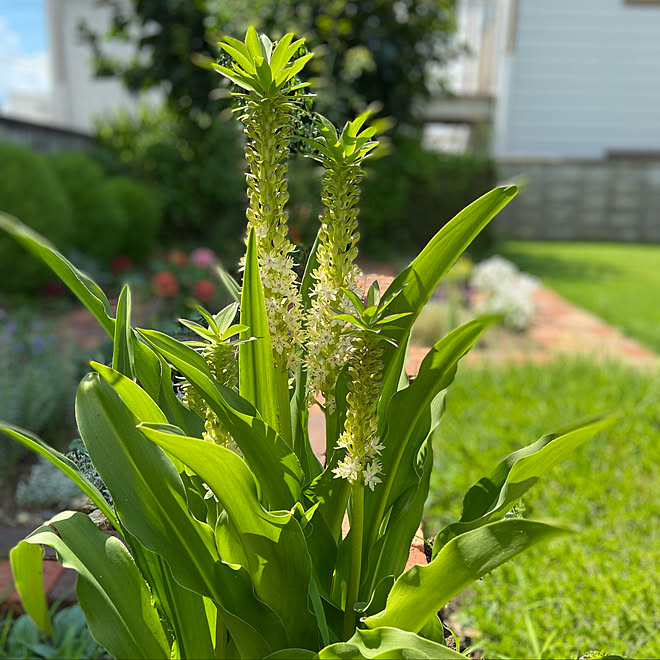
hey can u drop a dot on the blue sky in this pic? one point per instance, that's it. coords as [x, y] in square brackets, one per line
[23, 48]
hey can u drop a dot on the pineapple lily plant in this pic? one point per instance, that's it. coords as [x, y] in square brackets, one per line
[231, 541]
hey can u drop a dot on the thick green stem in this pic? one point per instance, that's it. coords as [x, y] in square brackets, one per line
[357, 530]
[282, 385]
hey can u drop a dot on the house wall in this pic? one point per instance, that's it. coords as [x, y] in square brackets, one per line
[608, 200]
[79, 97]
[580, 79]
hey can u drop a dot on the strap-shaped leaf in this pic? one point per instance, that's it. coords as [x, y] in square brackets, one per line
[272, 461]
[111, 591]
[404, 412]
[123, 357]
[85, 289]
[255, 358]
[27, 566]
[36, 444]
[418, 281]
[423, 590]
[273, 543]
[491, 497]
[151, 503]
[387, 643]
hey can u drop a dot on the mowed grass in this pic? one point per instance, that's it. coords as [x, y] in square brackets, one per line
[599, 589]
[619, 282]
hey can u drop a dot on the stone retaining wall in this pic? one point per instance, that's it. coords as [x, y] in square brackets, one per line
[609, 200]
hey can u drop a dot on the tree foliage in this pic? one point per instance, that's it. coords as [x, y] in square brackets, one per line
[368, 51]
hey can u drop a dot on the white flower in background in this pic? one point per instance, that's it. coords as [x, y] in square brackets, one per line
[505, 291]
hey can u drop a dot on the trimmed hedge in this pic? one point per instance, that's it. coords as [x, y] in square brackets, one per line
[30, 190]
[98, 217]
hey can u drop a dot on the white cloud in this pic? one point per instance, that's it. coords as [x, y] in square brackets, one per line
[20, 71]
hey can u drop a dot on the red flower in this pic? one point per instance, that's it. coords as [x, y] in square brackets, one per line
[204, 290]
[164, 284]
[120, 264]
[176, 257]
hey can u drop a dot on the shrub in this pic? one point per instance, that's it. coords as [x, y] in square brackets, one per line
[410, 194]
[29, 191]
[98, 218]
[142, 212]
[197, 172]
[37, 383]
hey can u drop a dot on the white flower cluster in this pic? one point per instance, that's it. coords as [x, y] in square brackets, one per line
[505, 290]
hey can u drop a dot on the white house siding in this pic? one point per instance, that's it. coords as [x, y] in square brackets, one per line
[582, 80]
[78, 97]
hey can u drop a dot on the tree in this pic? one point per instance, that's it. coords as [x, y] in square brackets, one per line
[368, 51]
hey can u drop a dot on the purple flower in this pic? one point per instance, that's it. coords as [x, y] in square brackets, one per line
[203, 257]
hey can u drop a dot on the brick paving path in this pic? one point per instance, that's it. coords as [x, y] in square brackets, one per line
[559, 328]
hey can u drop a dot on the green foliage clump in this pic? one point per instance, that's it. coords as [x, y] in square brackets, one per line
[98, 219]
[37, 383]
[196, 171]
[142, 213]
[30, 191]
[409, 195]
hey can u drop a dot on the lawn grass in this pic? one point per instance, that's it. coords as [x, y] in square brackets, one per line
[619, 282]
[598, 589]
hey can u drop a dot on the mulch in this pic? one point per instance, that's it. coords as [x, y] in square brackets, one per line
[558, 329]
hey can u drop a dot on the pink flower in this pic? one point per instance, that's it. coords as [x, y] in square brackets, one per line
[204, 290]
[203, 257]
[164, 284]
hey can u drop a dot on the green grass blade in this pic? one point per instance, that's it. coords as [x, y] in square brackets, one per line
[85, 289]
[423, 590]
[255, 358]
[111, 591]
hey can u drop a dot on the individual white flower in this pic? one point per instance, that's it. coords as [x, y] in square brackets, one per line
[370, 474]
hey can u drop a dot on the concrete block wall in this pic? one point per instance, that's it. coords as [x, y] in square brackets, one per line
[609, 200]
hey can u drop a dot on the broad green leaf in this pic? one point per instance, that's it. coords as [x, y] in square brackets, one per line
[491, 497]
[67, 466]
[290, 71]
[274, 464]
[111, 591]
[279, 57]
[423, 590]
[255, 358]
[123, 357]
[85, 289]
[390, 554]
[418, 281]
[241, 58]
[407, 407]
[273, 543]
[151, 502]
[184, 609]
[292, 654]
[253, 43]
[387, 642]
[27, 566]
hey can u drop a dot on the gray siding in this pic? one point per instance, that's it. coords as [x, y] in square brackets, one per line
[584, 79]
